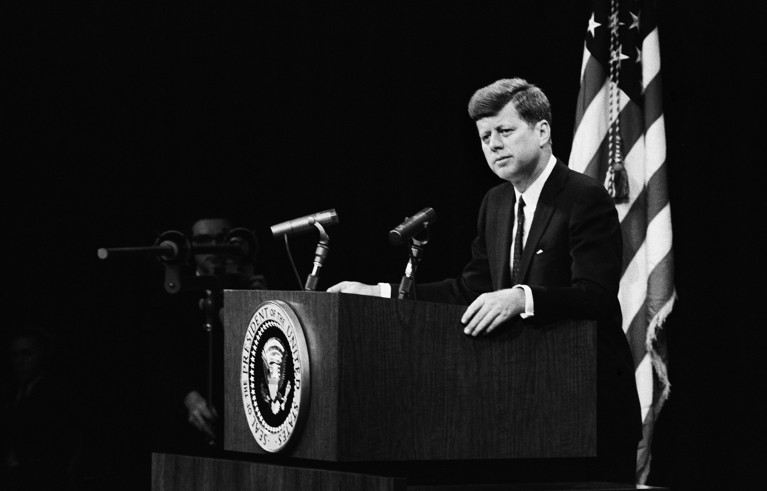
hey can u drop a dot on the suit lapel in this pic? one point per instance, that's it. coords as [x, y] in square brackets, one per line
[543, 213]
[504, 221]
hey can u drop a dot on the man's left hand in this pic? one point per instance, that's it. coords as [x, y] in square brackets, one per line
[492, 309]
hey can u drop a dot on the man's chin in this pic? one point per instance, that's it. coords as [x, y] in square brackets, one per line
[213, 269]
[505, 172]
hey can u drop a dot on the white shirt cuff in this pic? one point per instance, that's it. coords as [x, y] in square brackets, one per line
[385, 290]
[529, 304]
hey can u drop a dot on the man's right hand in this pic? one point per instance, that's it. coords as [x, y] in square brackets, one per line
[356, 288]
[201, 415]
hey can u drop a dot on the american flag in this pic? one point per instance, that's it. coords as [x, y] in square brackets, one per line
[620, 140]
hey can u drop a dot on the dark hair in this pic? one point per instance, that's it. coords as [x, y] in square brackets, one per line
[208, 217]
[41, 335]
[529, 101]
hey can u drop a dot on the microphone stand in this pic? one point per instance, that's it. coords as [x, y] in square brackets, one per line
[210, 306]
[320, 253]
[416, 252]
[173, 249]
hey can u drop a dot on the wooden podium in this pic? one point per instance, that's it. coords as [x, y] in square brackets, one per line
[397, 381]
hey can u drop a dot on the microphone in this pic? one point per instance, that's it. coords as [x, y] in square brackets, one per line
[412, 226]
[304, 224]
[242, 243]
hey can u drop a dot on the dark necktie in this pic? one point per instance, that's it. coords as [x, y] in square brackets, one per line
[518, 241]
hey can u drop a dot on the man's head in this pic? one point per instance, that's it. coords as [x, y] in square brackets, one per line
[513, 119]
[529, 101]
[28, 350]
[210, 231]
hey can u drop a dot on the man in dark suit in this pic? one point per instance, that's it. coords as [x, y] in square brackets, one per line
[191, 360]
[548, 247]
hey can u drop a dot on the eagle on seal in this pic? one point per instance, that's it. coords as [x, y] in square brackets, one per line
[274, 388]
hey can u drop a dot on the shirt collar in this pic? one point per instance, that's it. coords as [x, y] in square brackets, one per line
[533, 191]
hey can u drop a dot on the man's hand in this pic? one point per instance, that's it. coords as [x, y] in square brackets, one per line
[356, 288]
[202, 415]
[492, 309]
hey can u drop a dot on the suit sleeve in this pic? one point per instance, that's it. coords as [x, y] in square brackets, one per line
[475, 278]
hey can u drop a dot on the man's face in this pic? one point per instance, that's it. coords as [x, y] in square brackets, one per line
[513, 149]
[207, 232]
[26, 358]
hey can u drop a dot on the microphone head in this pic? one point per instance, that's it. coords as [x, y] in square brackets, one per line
[412, 226]
[245, 239]
[327, 217]
[305, 224]
[395, 237]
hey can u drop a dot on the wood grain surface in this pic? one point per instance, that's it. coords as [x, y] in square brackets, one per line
[396, 380]
[192, 473]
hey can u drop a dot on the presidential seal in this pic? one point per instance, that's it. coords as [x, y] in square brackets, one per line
[275, 375]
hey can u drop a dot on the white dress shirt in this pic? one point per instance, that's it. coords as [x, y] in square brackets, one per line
[531, 196]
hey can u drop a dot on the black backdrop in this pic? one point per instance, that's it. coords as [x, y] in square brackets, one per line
[130, 118]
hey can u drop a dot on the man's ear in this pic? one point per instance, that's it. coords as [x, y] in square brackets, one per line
[544, 132]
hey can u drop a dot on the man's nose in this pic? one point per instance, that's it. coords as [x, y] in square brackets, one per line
[495, 141]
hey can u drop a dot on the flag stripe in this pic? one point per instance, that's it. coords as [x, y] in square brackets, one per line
[590, 134]
[659, 289]
[657, 186]
[653, 106]
[650, 57]
[632, 227]
[637, 334]
[657, 200]
[632, 289]
[655, 143]
[644, 378]
[592, 81]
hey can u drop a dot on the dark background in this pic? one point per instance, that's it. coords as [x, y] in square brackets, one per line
[126, 119]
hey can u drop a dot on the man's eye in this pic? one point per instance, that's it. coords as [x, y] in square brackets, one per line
[202, 239]
[505, 131]
[485, 138]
